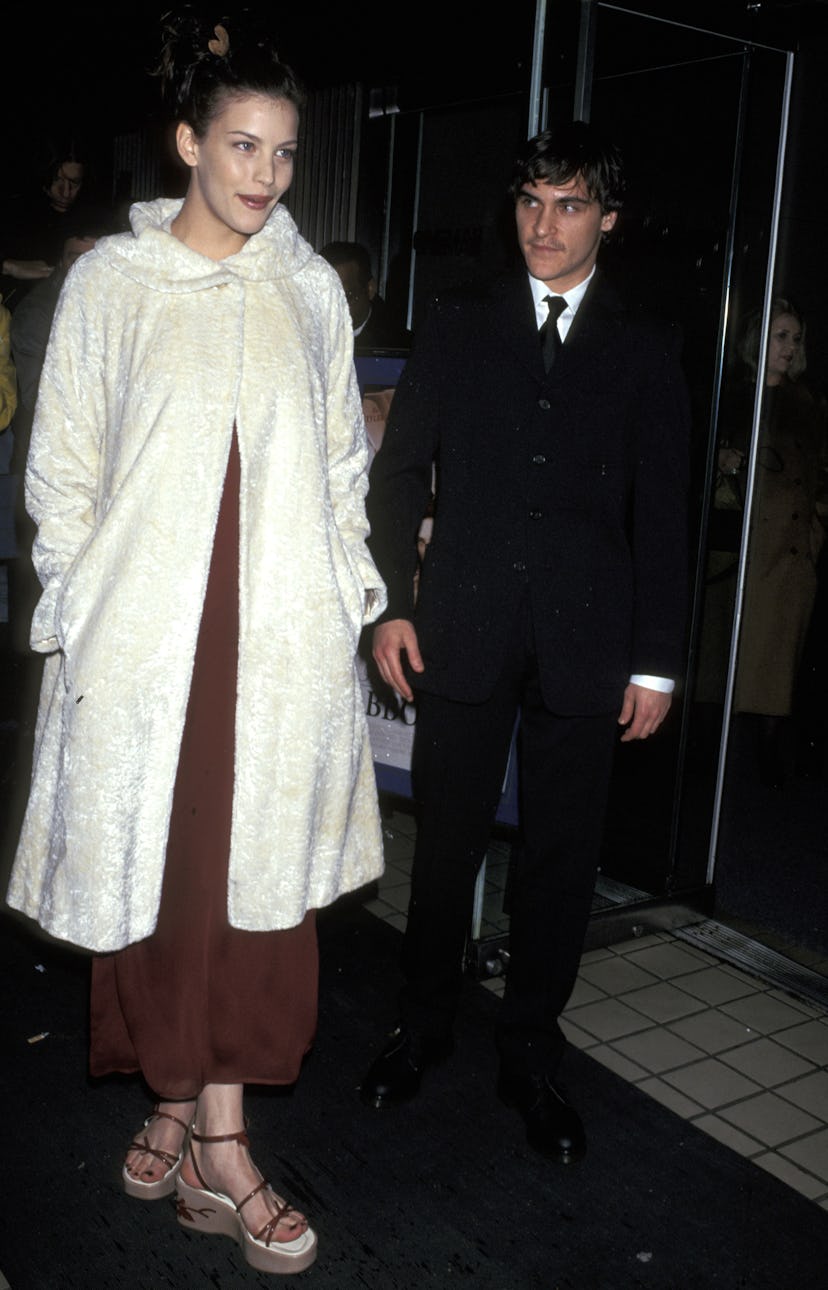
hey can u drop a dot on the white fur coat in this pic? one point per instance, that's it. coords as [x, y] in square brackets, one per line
[156, 352]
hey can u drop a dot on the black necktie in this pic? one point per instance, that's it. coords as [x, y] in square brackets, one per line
[550, 337]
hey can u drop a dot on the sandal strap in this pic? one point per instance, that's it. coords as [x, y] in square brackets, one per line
[259, 1187]
[164, 1115]
[166, 1157]
[241, 1137]
[268, 1232]
[270, 1228]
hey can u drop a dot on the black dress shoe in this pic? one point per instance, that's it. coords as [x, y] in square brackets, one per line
[553, 1127]
[397, 1073]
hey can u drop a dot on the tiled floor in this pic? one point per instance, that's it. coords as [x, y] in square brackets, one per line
[743, 1061]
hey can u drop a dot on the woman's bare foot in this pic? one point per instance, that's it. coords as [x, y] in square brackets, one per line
[226, 1166]
[163, 1133]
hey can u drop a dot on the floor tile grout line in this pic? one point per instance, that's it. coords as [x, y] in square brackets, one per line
[707, 961]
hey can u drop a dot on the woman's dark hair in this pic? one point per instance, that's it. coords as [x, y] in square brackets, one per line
[561, 154]
[205, 61]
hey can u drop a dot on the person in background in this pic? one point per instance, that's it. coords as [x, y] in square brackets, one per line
[787, 527]
[373, 326]
[35, 228]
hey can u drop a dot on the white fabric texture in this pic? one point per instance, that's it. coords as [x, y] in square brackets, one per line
[156, 353]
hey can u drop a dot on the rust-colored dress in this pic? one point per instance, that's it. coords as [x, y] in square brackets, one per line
[199, 1001]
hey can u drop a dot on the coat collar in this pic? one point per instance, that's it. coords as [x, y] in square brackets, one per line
[152, 256]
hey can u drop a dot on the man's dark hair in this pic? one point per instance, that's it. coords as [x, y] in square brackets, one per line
[558, 155]
[346, 253]
[202, 66]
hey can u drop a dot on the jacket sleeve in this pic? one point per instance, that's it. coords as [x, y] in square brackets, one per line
[402, 471]
[659, 515]
[348, 456]
[62, 471]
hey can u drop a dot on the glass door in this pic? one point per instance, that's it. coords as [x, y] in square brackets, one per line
[701, 120]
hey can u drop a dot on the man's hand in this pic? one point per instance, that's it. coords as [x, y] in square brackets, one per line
[642, 711]
[390, 640]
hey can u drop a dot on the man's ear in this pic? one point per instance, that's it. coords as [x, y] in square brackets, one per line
[371, 288]
[186, 143]
[608, 221]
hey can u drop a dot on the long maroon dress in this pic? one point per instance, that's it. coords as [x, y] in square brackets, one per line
[199, 1001]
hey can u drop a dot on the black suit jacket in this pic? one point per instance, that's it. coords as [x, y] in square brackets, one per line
[380, 331]
[569, 487]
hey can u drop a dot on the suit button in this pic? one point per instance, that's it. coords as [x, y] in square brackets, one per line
[545, 404]
[519, 566]
[536, 515]
[539, 459]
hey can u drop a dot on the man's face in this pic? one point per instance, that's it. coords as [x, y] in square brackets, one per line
[66, 185]
[358, 293]
[559, 229]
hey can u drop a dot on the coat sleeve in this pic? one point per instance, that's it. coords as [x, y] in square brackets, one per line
[62, 471]
[348, 457]
[8, 386]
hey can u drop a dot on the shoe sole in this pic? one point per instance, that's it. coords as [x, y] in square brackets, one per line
[151, 1191]
[216, 1215]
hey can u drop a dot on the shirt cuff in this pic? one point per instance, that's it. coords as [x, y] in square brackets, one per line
[662, 683]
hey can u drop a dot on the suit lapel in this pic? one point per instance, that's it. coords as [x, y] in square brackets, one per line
[512, 313]
[596, 324]
[596, 327]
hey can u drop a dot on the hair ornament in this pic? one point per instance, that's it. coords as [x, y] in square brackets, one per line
[221, 45]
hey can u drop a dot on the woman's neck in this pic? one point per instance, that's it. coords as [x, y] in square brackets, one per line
[196, 229]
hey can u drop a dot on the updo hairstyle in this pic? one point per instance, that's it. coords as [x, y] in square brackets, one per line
[204, 62]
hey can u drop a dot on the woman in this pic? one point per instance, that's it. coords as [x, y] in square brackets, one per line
[786, 532]
[202, 776]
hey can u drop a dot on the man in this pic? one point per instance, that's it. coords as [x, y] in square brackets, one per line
[553, 588]
[373, 329]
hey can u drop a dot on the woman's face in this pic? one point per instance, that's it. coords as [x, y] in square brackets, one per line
[783, 347]
[239, 169]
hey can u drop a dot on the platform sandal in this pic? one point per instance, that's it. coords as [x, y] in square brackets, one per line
[204, 1210]
[162, 1186]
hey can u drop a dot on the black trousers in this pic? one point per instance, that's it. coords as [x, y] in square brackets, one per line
[459, 760]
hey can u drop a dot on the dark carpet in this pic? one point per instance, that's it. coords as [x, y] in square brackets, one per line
[442, 1193]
